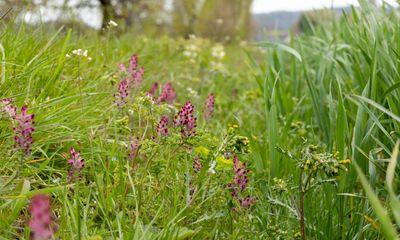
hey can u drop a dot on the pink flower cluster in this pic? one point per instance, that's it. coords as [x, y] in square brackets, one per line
[186, 120]
[209, 108]
[197, 165]
[41, 223]
[162, 127]
[153, 90]
[134, 146]
[122, 97]
[134, 78]
[23, 126]
[239, 184]
[135, 73]
[8, 107]
[76, 163]
[167, 95]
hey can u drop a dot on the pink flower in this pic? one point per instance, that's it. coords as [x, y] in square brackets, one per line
[122, 97]
[168, 94]
[209, 108]
[133, 63]
[134, 146]
[185, 120]
[76, 164]
[41, 221]
[152, 90]
[23, 131]
[162, 127]
[8, 107]
[137, 77]
[239, 184]
[197, 165]
[135, 73]
[23, 126]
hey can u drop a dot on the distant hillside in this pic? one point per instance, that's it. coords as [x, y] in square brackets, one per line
[280, 21]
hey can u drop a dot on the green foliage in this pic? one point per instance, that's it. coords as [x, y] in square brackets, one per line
[298, 114]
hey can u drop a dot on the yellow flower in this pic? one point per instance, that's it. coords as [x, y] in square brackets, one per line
[202, 151]
[223, 163]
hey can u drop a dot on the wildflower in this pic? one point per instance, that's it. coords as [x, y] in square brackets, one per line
[209, 108]
[136, 73]
[8, 107]
[191, 51]
[168, 94]
[76, 164]
[162, 127]
[152, 90]
[41, 221]
[121, 97]
[193, 93]
[80, 52]
[185, 120]
[197, 164]
[239, 184]
[134, 146]
[24, 130]
[137, 77]
[218, 52]
[211, 169]
[111, 23]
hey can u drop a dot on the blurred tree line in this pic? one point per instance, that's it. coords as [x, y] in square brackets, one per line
[221, 20]
[217, 19]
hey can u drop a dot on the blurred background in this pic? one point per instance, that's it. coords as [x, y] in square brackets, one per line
[219, 20]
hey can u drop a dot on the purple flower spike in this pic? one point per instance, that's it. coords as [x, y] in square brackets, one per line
[133, 63]
[168, 94]
[121, 97]
[186, 120]
[133, 77]
[239, 184]
[162, 127]
[152, 90]
[197, 165]
[23, 131]
[137, 77]
[41, 223]
[76, 163]
[209, 108]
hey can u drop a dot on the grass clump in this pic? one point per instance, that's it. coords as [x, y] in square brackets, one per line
[206, 141]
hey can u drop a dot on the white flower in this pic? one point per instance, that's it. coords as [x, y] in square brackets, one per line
[80, 52]
[111, 23]
[211, 169]
[218, 52]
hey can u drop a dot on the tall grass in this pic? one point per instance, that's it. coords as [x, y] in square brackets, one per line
[331, 95]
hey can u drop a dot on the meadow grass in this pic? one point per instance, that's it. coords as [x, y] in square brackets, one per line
[316, 120]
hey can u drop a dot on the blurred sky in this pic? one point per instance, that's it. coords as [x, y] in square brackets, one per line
[260, 6]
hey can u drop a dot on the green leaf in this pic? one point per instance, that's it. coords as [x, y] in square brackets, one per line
[388, 229]
[394, 201]
[282, 47]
